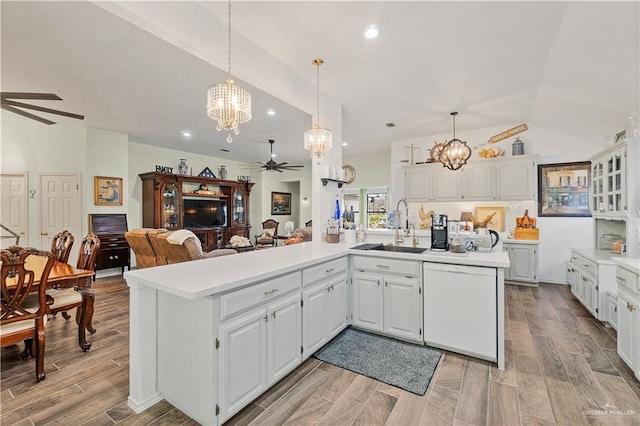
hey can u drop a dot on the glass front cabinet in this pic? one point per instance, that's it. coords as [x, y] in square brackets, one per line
[239, 212]
[170, 206]
[608, 183]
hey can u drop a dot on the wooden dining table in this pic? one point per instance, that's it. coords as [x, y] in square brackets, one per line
[63, 275]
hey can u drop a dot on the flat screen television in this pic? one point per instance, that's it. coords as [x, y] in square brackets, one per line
[204, 213]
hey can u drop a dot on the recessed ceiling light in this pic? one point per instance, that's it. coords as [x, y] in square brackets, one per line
[271, 112]
[345, 143]
[371, 31]
[186, 133]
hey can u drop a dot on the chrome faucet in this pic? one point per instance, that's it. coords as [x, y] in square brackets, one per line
[398, 238]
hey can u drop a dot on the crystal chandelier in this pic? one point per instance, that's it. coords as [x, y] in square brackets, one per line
[228, 103]
[455, 153]
[318, 139]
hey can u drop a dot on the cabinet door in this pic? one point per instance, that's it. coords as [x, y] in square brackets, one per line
[479, 182]
[523, 261]
[590, 294]
[283, 338]
[447, 184]
[515, 180]
[419, 184]
[242, 362]
[572, 276]
[612, 311]
[626, 329]
[597, 186]
[615, 175]
[402, 307]
[367, 301]
[314, 318]
[337, 313]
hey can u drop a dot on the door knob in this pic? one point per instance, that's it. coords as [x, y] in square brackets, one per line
[22, 233]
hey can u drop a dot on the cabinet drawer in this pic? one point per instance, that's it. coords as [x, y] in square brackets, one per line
[324, 270]
[392, 266]
[584, 264]
[628, 280]
[237, 301]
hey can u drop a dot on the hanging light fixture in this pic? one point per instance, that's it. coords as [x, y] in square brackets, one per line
[318, 139]
[228, 103]
[455, 153]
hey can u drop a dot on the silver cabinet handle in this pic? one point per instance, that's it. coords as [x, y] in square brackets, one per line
[620, 279]
[330, 270]
[273, 290]
[383, 266]
[273, 314]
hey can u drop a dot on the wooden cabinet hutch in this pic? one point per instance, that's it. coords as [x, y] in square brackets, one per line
[164, 196]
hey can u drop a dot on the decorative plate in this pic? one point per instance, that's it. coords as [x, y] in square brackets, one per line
[349, 173]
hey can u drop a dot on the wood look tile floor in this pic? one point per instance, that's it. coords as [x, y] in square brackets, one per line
[561, 368]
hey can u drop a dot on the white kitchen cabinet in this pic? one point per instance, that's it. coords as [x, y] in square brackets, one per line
[479, 181]
[628, 327]
[483, 180]
[324, 313]
[523, 259]
[324, 304]
[256, 350]
[460, 309]
[516, 179]
[386, 297]
[628, 280]
[608, 183]
[612, 310]
[402, 306]
[368, 308]
[592, 274]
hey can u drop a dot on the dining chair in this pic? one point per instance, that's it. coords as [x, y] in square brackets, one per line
[23, 309]
[66, 299]
[61, 246]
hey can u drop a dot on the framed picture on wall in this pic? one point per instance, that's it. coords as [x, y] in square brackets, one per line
[107, 191]
[563, 189]
[281, 203]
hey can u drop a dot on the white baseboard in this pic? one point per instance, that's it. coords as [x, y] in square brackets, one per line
[139, 407]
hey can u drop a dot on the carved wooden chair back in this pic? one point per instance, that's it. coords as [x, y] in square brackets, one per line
[309, 223]
[61, 246]
[23, 308]
[66, 299]
[272, 227]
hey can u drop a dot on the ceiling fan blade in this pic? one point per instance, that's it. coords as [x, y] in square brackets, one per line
[26, 114]
[34, 96]
[43, 109]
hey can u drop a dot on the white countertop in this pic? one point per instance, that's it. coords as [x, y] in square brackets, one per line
[630, 263]
[598, 256]
[207, 277]
[515, 241]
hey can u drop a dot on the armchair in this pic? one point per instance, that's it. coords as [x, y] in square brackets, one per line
[269, 234]
[139, 240]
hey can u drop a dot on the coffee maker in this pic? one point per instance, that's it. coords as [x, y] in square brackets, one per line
[439, 232]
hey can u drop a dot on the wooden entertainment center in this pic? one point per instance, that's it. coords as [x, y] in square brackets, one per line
[164, 196]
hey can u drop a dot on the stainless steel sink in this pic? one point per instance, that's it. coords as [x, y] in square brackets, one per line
[391, 248]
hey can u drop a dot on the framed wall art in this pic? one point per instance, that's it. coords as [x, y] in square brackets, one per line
[280, 203]
[107, 191]
[563, 189]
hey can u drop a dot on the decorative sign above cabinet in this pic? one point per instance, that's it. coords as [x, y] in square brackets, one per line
[164, 169]
[508, 133]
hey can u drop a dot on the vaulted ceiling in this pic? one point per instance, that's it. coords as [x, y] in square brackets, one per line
[143, 68]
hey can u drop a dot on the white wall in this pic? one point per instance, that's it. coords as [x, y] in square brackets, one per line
[372, 170]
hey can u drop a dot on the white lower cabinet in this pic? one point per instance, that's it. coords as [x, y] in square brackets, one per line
[387, 297]
[612, 310]
[523, 259]
[629, 317]
[324, 313]
[591, 277]
[255, 350]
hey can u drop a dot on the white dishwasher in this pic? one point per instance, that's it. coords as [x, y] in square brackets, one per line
[460, 309]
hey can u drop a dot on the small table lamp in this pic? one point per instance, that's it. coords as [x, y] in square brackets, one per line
[466, 218]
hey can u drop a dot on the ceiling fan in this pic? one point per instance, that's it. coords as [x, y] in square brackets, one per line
[271, 165]
[8, 103]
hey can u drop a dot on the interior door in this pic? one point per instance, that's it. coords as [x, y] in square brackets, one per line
[60, 209]
[14, 212]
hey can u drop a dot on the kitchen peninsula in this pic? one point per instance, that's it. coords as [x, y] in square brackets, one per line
[210, 336]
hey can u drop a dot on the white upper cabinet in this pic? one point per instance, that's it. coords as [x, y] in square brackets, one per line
[512, 178]
[479, 181]
[608, 184]
[515, 179]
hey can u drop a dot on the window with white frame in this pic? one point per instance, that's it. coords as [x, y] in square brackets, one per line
[377, 208]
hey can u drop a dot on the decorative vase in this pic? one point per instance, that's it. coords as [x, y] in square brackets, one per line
[222, 172]
[517, 148]
[183, 168]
